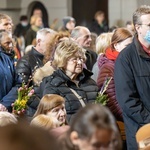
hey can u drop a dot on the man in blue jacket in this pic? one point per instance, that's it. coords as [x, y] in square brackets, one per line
[132, 77]
[8, 78]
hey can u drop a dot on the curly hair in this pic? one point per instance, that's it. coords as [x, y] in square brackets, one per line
[65, 50]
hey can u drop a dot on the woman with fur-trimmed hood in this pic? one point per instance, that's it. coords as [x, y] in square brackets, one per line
[44, 71]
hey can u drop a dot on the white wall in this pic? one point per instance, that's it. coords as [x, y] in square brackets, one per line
[11, 8]
[55, 8]
[143, 2]
[121, 11]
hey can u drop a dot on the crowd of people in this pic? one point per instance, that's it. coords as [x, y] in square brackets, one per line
[68, 69]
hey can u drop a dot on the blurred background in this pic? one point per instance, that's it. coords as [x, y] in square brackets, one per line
[117, 12]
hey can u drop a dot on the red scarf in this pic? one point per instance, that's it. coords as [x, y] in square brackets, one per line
[111, 54]
[146, 49]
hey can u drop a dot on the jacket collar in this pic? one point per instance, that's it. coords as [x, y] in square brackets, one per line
[11, 55]
[139, 48]
[36, 53]
[85, 74]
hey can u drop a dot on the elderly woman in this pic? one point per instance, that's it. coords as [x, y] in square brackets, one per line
[70, 80]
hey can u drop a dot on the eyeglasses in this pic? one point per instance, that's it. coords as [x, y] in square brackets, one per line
[148, 25]
[76, 59]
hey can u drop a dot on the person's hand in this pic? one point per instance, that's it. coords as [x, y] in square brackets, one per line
[49, 63]
[3, 108]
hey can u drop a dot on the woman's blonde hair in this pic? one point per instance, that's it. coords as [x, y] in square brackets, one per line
[48, 102]
[103, 41]
[65, 50]
[7, 118]
[33, 19]
[45, 122]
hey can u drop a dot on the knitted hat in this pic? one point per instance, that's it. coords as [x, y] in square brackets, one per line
[143, 136]
[67, 19]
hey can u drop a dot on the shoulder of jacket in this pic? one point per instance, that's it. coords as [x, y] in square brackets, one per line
[55, 80]
[23, 60]
[128, 53]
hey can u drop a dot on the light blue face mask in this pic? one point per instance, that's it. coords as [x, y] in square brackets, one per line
[147, 36]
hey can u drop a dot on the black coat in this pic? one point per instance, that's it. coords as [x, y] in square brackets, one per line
[132, 82]
[28, 63]
[98, 29]
[21, 30]
[59, 83]
[30, 36]
[91, 58]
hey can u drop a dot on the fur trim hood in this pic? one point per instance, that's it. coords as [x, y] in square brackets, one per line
[42, 72]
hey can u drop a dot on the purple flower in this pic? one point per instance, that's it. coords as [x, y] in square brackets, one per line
[30, 94]
[20, 89]
[32, 91]
[23, 110]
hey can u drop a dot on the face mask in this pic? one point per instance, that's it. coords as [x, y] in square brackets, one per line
[24, 24]
[147, 36]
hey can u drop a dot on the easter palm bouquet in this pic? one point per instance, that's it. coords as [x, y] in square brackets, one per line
[20, 104]
[102, 98]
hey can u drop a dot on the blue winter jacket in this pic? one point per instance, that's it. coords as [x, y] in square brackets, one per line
[8, 79]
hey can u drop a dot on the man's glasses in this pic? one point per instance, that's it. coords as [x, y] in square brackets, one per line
[148, 25]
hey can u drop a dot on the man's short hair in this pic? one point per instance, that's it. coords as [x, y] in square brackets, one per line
[3, 33]
[4, 16]
[143, 10]
[43, 32]
[23, 17]
[76, 32]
